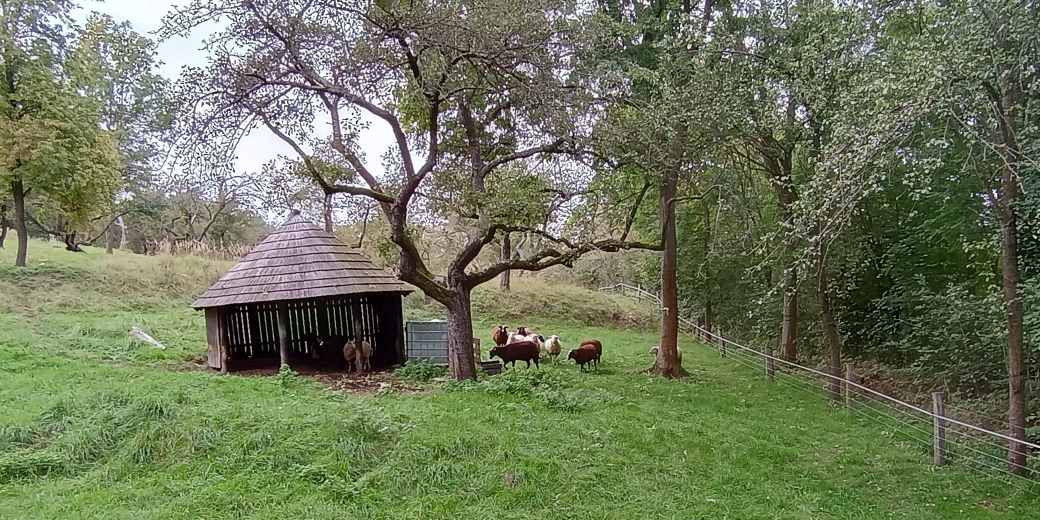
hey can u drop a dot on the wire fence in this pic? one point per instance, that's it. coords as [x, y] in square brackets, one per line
[935, 431]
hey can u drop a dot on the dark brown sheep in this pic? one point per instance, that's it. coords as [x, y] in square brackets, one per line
[583, 355]
[597, 346]
[520, 351]
[500, 335]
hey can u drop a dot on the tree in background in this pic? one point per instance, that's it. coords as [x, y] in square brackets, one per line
[988, 58]
[432, 73]
[134, 106]
[53, 147]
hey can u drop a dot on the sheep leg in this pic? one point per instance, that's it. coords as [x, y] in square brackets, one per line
[528, 361]
[536, 363]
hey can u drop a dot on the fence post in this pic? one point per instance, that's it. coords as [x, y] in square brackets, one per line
[722, 343]
[476, 352]
[770, 365]
[939, 423]
[847, 387]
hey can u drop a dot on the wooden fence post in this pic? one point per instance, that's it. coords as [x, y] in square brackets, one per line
[722, 343]
[476, 352]
[939, 423]
[770, 365]
[848, 388]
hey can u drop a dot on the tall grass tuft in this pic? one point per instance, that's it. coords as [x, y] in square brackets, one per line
[218, 250]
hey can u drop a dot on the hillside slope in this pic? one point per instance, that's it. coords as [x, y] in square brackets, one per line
[83, 303]
[92, 428]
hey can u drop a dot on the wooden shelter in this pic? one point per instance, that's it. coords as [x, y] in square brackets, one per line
[301, 281]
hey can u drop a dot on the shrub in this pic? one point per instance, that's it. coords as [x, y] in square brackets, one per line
[522, 382]
[420, 371]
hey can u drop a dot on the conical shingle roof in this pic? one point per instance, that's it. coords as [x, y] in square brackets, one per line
[297, 261]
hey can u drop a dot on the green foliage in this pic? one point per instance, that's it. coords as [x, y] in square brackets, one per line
[287, 377]
[420, 371]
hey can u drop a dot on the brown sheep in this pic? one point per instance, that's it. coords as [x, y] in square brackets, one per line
[350, 350]
[500, 335]
[522, 350]
[583, 355]
[363, 355]
[597, 346]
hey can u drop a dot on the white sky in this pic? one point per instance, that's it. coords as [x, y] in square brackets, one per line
[260, 146]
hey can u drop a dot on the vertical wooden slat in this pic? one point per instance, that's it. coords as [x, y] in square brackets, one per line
[323, 317]
[283, 333]
[213, 357]
[272, 329]
[254, 326]
[396, 305]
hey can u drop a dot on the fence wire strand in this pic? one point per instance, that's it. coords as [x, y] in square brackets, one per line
[862, 398]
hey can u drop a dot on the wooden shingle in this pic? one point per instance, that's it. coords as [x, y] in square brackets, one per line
[297, 261]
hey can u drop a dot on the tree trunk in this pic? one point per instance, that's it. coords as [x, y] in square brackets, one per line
[830, 326]
[709, 310]
[777, 160]
[328, 212]
[789, 326]
[18, 193]
[709, 315]
[460, 337]
[667, 363]
[122, 232]
[1008, 103]
[109, 240]
[507, 254]
[1016, 360]
[70, 242]
[3, 224]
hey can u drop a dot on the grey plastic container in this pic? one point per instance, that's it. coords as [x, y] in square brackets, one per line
[427, 340]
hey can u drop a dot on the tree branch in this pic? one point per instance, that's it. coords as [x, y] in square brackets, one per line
[549, 257]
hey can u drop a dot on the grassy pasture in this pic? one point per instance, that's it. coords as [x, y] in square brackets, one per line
[93, 428]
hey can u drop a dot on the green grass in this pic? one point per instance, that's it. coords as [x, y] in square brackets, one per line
[91, 428]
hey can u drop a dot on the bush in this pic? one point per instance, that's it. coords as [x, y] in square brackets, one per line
[522, 383]
[420, 371]
[953, 335]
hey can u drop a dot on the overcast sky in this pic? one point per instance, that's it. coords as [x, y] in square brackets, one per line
[261, 145]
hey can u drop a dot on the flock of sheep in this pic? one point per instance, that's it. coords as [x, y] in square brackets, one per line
[525, 345]
[522, 345]
[356, 354]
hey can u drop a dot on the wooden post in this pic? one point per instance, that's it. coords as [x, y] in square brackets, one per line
[283, 332]
[476, 352]
[722, 344]
[939, 423]
[770, 366]
[848, 388]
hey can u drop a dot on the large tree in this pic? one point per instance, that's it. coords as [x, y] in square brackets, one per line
[988, 58]
[52, 147]
[134, 106]
[453, 81]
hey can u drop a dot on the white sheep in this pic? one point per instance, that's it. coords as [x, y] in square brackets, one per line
[552, 347]
[656, 348]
